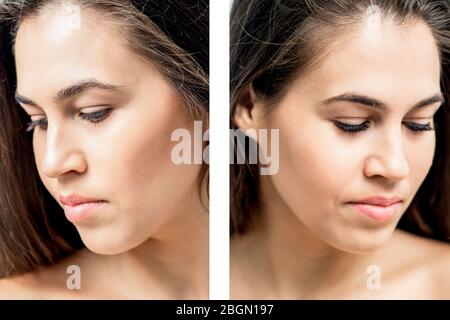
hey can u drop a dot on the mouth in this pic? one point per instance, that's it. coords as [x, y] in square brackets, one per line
[78, 208]
[377, 208]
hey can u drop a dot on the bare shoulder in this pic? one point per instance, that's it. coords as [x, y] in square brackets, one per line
[433, 251]
[438, 268]
[19, 287]
[431, 261]
[45, 283]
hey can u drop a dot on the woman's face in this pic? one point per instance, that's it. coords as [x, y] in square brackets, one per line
[381, 76]
[71, 73]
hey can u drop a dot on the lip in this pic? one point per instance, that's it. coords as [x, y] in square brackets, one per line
[75, 199]
[78, 208]
[377, 208]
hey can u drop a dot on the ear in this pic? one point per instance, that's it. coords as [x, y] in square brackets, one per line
[247, 114]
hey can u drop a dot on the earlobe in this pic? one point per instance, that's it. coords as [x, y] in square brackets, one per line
[242, 117]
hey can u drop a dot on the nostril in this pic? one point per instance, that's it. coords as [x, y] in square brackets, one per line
[390, 165]
[58, 164]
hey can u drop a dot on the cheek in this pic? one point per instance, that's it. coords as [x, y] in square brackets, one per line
[39, 154]
[147, 165]
[420, 158]
[136, 164]
[143, 159]
[309, 158]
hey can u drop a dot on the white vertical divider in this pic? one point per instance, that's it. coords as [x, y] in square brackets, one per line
[219, 242]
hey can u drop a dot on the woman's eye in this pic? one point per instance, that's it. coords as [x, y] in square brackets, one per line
[355, 128]
[95, 117]
[41, 123]
[352, 128]
[417, 127]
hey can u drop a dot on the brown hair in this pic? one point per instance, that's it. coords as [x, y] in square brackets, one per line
[272, 41]
[174, 34]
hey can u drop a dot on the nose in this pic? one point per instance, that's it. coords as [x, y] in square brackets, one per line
[387, 158]
[61, 153]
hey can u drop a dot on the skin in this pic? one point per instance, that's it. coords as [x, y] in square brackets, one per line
[309, 242]
[150, 240]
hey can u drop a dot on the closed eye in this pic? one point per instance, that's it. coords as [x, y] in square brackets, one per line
[355, 128]
[93, 117]
[41, 123]
[96, 116]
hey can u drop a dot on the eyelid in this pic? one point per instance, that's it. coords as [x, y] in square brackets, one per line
[33, 124]
[354, 129]
[419, 118]
[95, 108]
[41, 116]
[356, 120]
[96, 116]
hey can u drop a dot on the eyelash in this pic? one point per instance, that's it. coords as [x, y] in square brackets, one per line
[355, 128]
[94, 117]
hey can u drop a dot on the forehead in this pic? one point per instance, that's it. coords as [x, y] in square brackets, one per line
[384, 60]
[64, 44]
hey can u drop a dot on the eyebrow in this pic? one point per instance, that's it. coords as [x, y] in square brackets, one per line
[71, 91]
[377, 104]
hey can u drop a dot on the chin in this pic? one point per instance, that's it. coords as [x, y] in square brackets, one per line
[361, 248]
[107, 244]
[104, 250]
[362, 241]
